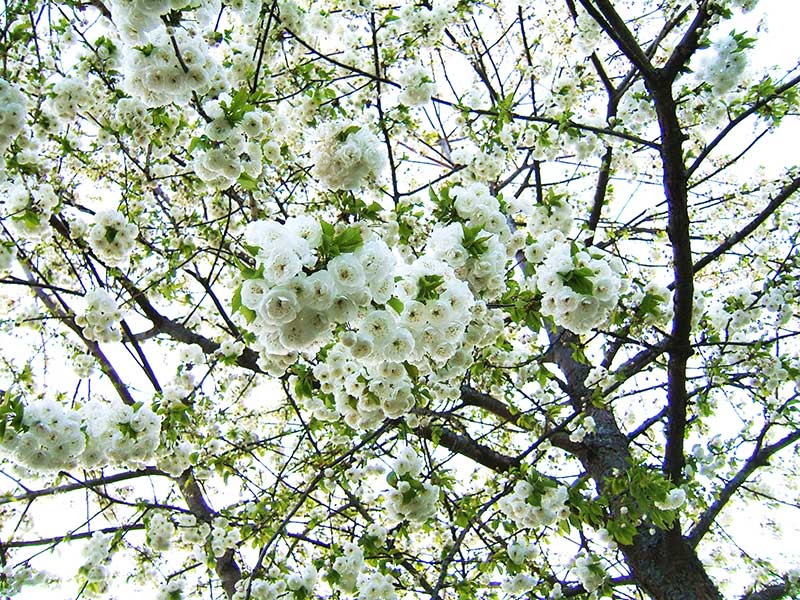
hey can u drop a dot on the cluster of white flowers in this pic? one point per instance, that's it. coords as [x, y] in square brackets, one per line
[95, 570]
[589, 33]
[175, 458]
[119, 434]
[365, 370]
[68, 97]
[223, 536]
[12, 115]
[398, 318]
[305, 580]
[589, 572]
[707, 463]
[294, 310]
[259, 589]
[29, 209]
[520, 551]
[172, 590]
[132, 116]
[519, 584]
[585, 427]
[483, 165]
[348, 566]
[579, 287]
[365, 395]
[155, 75]
[101, 317]
[159, 532]
[780, 300]
[409, 497]
[135, 18]
[347, 155]
[8, 254]
[55, 437]
[437, 308]
[231, 154]
[476, 247]
[112, 236]
[550, 507]
[375, 586]
[417, 86]
[723, 70]
[426, 22]
[193, 534]
[51, 438]
[675, 499]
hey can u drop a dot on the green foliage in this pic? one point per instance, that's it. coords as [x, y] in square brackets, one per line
[428, 287]
[11, 412]
[474, 243]
[333, 244]
[522, 306]
[444, 206]
[579, 280]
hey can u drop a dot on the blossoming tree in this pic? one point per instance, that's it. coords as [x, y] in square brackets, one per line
[354, 299]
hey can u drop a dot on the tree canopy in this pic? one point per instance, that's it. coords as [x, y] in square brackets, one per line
[373, 300]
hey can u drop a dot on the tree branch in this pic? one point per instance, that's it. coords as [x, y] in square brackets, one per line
[759, 458]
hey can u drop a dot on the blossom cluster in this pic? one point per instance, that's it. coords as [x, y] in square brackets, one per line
[132, 116]
[409, 497]
[160, 531]
[12, 115]
[134, 18]
[397, 325]
[101, 317]
[50, 438]
[530, 506]
[579, 288]
[223, 536]
[8, 253]
[477, 244]
[53, 437]
[29, 209]
[233, 150]
[112, 236]
[347, 155]
[154, 73]
[724, 69]
[175, 458]
[588, 572]
[68, 97]
[94, 570]
[119, 434]
[417, 86]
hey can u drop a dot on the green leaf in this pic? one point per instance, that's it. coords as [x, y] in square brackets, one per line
[396, 304]
[348, 240]
[201, 142]
[472, 243]
[427, 286]
[239, 105]
[412, 370]
[578, 281]
[391, 479]
[247, 182]
[146, 49]
[304, 384]
[236, 305]
[342, 135]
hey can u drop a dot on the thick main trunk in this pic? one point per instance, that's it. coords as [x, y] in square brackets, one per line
[668, 568]
[662, 562]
